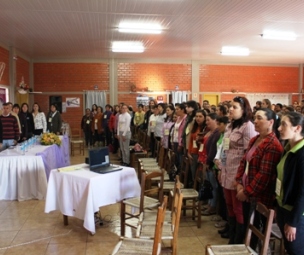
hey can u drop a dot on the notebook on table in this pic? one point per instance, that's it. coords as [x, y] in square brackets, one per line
[99, 161]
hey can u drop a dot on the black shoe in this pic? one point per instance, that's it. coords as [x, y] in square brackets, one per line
[224, 230]
[225, 235]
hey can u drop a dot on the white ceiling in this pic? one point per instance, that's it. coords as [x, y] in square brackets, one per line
[194, 29]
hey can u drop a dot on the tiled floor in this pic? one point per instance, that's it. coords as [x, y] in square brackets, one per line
[26, 229]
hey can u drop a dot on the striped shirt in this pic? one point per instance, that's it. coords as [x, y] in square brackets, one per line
[10, 127]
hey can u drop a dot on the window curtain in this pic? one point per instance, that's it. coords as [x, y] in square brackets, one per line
[179, 96]
[95, 97]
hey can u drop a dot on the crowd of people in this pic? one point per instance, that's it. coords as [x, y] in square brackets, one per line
[249, 155]
[19, 123]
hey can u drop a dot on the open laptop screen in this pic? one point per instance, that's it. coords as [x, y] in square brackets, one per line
[99, 157]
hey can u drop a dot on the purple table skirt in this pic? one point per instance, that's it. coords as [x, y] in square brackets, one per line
[56, 156]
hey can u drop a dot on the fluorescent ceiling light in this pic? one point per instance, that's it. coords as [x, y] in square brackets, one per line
[235, 51]
[276, 35]
[141, 28]
[131, 46]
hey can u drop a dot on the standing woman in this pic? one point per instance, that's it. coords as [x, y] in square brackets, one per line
[86, 127]
[256, 176]
[39, 120]
[191, 108]
[235, 142]
[94, 109]
[167, 126]
[124, 134]
[180, 110]
[290, 183]
[27, 125]
[54, 121]
[193, 147]
[96, 126]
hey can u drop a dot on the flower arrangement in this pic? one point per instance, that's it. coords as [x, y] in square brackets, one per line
[49, 139]
[23, 87]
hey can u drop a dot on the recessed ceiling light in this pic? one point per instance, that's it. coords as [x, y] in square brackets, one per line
[131, 46]
[141, 28]
[235, 51]
[276, 35]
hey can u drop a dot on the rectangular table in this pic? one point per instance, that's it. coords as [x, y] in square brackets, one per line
[80, 193]
[24, 177]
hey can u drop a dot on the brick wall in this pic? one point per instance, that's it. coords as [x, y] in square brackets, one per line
[224, 78]
[4, 57]
[157, 77]
[68, 77]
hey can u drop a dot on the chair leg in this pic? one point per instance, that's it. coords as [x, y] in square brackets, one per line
[122, 218]
[199, 214]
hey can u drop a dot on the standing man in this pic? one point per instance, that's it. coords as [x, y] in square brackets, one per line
[54, 121]
[124, 134]
[10, 130]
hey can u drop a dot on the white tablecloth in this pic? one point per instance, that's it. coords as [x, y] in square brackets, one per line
[80, 193]
[24, 177]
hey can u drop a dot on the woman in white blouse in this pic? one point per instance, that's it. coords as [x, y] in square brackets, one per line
[39, 120]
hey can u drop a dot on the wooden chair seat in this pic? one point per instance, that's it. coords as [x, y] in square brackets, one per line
[149, 202]
[237, 249]
[146, 200]
[245, 249]
[145, 229]
[189, 193]
[141, 246]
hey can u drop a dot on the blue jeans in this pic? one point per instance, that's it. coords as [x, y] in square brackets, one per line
[211, 177]
[295, 247]
[7, 143]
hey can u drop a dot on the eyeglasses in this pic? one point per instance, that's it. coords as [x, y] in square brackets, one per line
[239, 100]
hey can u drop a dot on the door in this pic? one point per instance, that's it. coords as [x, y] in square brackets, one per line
[213, 99]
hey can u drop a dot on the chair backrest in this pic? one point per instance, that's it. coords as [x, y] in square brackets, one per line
[161, 155]
[169, 160]
[184, 171]
[150, 191]
[159, 226]
[198, 178]
[176, 214]
[263, 236]
[75, 133]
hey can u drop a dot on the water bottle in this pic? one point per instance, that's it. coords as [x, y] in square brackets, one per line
[22, 148]
[26, 146]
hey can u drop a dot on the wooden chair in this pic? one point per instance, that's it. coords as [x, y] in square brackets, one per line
[276, 235]
[144, 246]
[170, 230]
[145, 201]
[184, 171]
[245, 248]
[191, 195]
[76, 142]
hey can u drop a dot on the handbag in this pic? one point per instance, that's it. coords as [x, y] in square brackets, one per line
[205, 191]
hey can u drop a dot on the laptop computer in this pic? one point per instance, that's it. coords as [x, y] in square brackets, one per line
[99, 161]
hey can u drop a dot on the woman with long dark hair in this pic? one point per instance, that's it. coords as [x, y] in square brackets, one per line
[39, 120]
[27, 122]
[180, 110]
[168, 123]
[193, 147]
[235, 142]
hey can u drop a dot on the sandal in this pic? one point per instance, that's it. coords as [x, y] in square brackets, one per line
[220, 224]
[208, 212]
[216, 218]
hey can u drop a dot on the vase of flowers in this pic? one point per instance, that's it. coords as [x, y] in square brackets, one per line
[49, 139]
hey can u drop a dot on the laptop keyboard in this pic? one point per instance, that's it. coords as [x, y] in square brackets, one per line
[106, 169]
